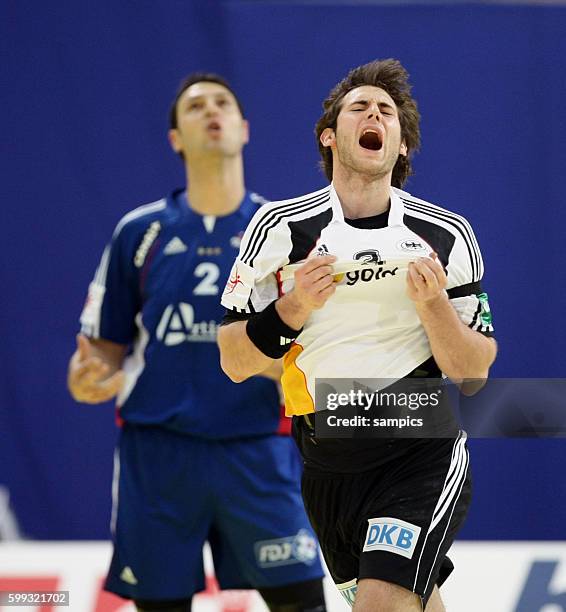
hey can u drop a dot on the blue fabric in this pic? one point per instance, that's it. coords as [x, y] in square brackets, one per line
[88, 87]
[176, 491]
[181, 384]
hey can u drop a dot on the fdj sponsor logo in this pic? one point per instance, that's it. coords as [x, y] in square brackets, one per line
[275, 553]
[178, 325]
[369, 274]
[300, 548]
[392, 535]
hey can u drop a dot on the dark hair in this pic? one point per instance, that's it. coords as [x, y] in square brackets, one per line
[390, 76]
[198, 77]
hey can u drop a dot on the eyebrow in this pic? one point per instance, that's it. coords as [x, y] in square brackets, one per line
[365, 102]
[216, 96]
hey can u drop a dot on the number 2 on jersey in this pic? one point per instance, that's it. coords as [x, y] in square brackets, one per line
[209, 272]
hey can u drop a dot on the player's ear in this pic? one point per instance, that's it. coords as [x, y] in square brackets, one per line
[328, 137]
[174, 140]
[403, 149]
[245, 131]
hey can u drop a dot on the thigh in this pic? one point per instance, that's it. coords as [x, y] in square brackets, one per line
[405, 532]
[162, 513]
[263, 537]
[393, 524]
[327, 500]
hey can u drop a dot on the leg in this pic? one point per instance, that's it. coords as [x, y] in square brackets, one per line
[435, 602]
[380, 596]
[406, 544]
[156, 557]
[297, 597]
[262, 537]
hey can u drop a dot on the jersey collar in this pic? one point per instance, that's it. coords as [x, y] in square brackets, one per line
[178, 199]
[396, 212]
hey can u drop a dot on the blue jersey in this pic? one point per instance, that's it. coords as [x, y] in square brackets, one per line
[157, 289]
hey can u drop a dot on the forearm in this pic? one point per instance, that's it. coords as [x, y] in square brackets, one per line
[292, 311]
[245, 346]
[460, 352]
[239, 357]
[274, 370]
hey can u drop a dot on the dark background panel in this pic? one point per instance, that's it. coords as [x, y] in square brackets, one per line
[86, 91]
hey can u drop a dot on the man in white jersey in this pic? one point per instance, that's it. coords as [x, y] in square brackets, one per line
[361, 279]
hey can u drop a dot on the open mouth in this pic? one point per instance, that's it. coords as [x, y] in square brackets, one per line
[371, 140]
[213, 127]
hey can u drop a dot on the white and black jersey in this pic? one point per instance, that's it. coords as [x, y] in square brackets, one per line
[369, 328]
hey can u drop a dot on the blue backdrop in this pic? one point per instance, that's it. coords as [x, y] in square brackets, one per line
[86, 90]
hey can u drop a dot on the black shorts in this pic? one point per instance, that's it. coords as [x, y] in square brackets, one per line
[393, 523]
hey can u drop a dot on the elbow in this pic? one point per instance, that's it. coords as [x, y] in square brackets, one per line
[469, 381]
[231, 360]
[234, 376]
[460, 375]
[232, 371]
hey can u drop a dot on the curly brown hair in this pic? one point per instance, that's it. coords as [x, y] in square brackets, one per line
[390, 76]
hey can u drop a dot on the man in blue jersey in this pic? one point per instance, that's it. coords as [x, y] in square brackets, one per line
[199, 457]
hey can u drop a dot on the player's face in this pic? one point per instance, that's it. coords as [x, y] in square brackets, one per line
[367, 139]
[209, 122]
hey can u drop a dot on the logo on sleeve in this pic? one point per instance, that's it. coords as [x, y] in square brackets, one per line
[93, 304]
[485, 314]
[234, 280]
[392, 535]
[148, 239]
[239, 286]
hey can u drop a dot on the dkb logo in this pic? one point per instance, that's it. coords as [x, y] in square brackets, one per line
[393, 535]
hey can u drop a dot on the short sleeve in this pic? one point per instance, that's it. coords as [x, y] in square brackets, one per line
[265, 247]
[465, 271]
[113, 298]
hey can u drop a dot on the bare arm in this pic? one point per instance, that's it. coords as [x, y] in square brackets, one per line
[239, 357]
[95, 374]
[314, 284]
[273, 371]
[460, 352]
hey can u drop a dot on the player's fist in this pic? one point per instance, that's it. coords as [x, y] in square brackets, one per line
[426, 279]
[91, 378]
[314, 282]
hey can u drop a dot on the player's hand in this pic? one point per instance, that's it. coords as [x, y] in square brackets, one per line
[90, 378]
[426, 280]
[314, 282]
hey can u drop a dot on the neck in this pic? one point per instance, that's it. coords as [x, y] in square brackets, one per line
[360, 195]
[215, 187]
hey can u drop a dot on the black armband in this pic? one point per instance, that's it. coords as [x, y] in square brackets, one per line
[270, 334]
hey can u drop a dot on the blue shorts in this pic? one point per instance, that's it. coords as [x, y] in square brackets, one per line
[175, 492]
